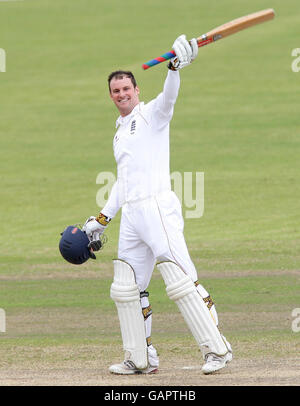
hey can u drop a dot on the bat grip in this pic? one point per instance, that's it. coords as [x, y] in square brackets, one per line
[159, 59]
[168, 55]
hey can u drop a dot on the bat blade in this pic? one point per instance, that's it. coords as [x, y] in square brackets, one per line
[237, 25]
[220, 32]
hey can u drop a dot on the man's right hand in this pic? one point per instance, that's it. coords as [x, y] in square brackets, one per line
[93, 230]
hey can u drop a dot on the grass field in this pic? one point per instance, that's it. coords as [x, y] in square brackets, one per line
[236, 120]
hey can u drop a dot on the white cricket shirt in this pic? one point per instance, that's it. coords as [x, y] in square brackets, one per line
[141, 149]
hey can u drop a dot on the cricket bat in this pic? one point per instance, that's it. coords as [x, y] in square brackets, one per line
[220, 32]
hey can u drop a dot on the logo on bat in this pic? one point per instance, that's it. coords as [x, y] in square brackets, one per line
[217, 36]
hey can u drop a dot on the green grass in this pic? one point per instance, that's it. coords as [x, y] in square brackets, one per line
[236, 120]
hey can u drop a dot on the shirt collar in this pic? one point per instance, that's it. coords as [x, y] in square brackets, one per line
[123, 120]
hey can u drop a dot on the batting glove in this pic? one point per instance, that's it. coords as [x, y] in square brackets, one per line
[94, 228]
[186, 52]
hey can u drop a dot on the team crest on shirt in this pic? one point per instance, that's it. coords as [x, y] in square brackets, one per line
[133, 127]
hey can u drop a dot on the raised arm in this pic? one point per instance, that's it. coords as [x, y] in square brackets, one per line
[186, 52]
[165, 101]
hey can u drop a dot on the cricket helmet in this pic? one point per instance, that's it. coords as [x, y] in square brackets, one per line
[73, 246]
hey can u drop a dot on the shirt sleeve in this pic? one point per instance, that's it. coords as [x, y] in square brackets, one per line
[113, 204]
[163, 106]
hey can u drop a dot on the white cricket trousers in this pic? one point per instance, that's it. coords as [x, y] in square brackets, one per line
[152, 230]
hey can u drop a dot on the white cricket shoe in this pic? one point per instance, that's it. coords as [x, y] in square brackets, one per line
[128, 368]
[215, 362]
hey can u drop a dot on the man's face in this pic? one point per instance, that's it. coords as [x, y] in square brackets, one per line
[124, 95]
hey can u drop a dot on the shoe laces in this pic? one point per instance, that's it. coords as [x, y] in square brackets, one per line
[129, 364]
[212, 357]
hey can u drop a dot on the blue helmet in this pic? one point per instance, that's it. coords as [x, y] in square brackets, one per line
[73, 246]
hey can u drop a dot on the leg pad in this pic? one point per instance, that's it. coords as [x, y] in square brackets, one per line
[183, 291]
[125, 293]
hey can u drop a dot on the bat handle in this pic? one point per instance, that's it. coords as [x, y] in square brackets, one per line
[159, 59]
[168, 55]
